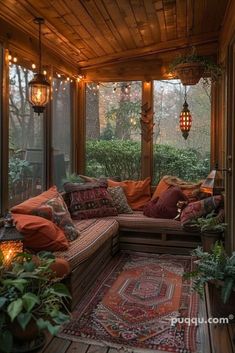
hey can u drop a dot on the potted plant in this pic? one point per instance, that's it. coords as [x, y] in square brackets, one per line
[211, 228]
[190, 68]
[31, 300]
[216, 269]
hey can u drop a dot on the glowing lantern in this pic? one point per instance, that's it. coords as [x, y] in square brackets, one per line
[185, 118]
[39, 88]
[10, 242]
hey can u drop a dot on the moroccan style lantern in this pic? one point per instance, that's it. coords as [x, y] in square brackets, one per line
[213, 184]
[10, 242]
[185, 118]
[39, 88]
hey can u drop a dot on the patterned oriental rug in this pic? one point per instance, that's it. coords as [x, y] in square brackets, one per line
[132, 304]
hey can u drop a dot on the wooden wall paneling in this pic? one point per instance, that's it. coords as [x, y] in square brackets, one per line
[170, 19]
[161, 19]
[143, 24]
[227, 30]
[214, 126]
[153, 20]
[147, 130]
[181, 10]
[20, 19]
[26, 46]
[81, 128]
[4, 129]
[230, 141]
[129, 17]
[102, 23]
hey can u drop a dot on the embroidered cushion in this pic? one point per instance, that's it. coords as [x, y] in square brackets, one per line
[119, 199]
[138, 193]
[56, 210]
[49, 205]
[165, 206]
[200, 208]
[89, 200]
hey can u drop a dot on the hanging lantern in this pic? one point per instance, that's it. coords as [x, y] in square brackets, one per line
[10, 241]
[39, 87]
[185, 118]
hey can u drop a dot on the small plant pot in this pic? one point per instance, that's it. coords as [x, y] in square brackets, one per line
[209, 239]
[218, 308]
[30, 332]
[189, 73]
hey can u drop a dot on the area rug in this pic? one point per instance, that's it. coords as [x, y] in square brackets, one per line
[132, 303]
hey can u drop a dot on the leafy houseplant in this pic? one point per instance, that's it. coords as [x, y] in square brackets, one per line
[190, 68]
[211, 227]
[218, 270]
[30, 293]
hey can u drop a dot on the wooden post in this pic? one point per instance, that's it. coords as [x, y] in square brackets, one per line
[80, 129]
[147, 129]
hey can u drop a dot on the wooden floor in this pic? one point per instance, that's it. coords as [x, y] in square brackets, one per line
[223, 341]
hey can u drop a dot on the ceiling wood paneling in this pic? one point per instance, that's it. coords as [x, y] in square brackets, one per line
[90, 32]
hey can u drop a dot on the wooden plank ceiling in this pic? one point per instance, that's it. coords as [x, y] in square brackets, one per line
[96, 32]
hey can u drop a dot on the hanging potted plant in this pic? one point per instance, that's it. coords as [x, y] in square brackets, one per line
[190, 68]
[31, 300]
[216, 269]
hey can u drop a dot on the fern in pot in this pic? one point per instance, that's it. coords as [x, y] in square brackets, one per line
[217, 270]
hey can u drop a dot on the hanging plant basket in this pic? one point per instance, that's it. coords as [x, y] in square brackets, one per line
[189, 73]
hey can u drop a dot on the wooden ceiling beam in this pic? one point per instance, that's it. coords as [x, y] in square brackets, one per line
[162, 47]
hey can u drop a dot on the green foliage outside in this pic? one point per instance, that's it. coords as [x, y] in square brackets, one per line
[123, 159]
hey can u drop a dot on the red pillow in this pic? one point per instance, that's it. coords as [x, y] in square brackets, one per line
[138, 193]
[165, 206]
[40, 233]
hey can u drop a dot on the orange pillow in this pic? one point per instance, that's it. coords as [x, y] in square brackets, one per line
[40, 233]
[137, 192]
[27, 206]
[190, 190]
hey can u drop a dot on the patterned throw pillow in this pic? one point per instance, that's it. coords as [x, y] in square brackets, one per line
[90, 200]
[56, 210]
[200, 208]
[119, 199]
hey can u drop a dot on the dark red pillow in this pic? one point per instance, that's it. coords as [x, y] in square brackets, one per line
[165, 206]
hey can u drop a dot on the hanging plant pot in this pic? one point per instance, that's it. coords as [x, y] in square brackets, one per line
[189, 73]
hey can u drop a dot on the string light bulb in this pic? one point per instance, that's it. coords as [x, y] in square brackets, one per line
[15, 59]
[33, 66]
[9, 57]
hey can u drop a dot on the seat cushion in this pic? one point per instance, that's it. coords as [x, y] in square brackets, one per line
[139, 222]
[94, 233]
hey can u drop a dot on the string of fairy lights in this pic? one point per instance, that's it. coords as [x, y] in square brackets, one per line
[64, 78]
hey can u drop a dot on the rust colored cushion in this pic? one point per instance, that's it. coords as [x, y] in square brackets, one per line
[27, 206]
[40, 233]
[50, 205]
[191, 190]
[200, 208]
[90, 200]
[137, 192]
[165, 206]
[61, 267]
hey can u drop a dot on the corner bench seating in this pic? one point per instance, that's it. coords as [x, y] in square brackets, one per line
[101, 238]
